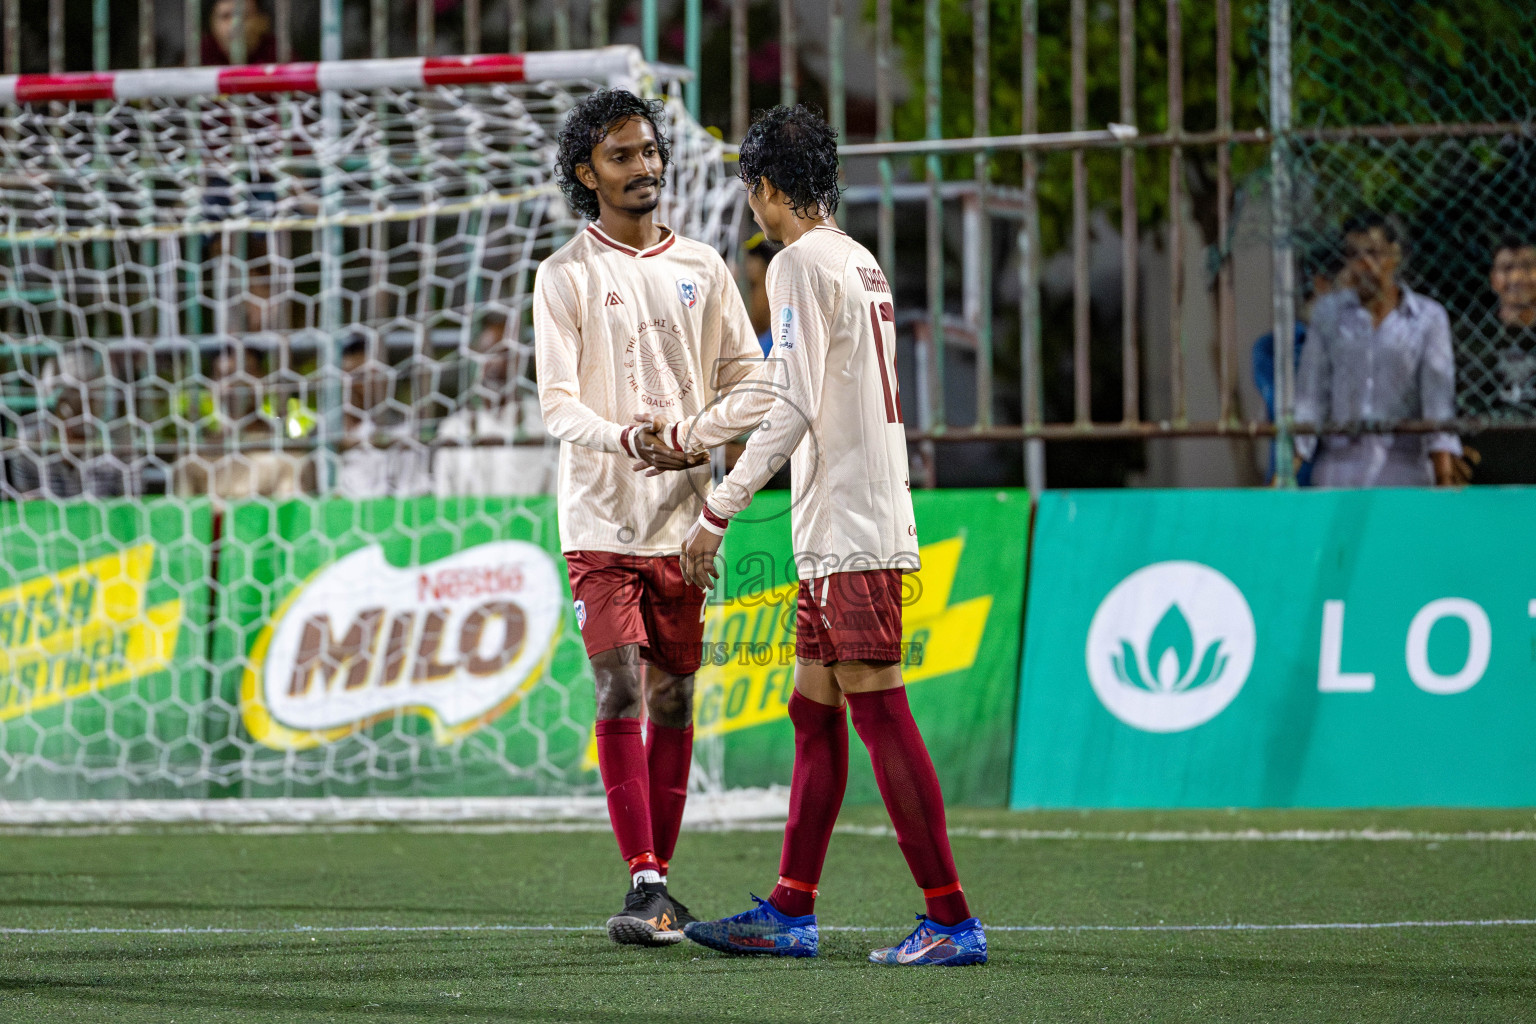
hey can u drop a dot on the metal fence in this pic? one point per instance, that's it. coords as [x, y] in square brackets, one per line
[1043, 176]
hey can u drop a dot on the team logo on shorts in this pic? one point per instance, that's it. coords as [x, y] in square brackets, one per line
[688, 292]
[581, 615]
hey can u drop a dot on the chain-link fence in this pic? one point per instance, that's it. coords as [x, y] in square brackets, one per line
[1421, 113]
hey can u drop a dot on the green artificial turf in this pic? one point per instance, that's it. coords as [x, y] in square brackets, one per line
[263, 888]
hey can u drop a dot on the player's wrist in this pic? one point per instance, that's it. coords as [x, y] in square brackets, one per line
[627, 442]
[712, 521]
[672, 434]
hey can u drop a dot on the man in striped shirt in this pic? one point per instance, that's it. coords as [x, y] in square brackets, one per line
[628, 318]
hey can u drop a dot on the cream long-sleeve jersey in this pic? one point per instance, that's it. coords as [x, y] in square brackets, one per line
[617, 332]
[826, 401]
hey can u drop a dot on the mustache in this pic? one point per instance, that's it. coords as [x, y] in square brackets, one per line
[639, 183]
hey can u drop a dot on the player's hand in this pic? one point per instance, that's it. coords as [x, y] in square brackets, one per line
[655, 457]
[698, 557]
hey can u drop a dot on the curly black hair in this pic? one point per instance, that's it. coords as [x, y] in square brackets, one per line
[588, 124]
[796, 149]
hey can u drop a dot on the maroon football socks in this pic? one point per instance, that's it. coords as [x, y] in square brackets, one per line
[815, 797]
[910, 788]
[621, 761]
[668, 754]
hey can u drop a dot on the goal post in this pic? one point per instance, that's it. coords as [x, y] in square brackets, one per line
[247, 315]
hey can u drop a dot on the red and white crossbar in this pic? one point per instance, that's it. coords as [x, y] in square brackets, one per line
[612, 64]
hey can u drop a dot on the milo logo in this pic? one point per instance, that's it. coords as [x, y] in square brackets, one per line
[457, 641]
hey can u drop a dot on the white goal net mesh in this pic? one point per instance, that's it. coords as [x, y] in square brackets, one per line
[275, 518]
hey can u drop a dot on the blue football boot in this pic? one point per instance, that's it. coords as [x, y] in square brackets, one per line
[932, 943]
[763, 929]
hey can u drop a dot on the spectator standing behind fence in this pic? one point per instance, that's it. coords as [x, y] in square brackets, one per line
[1496, 376]
[1378, 352]
[382, 457]
[494, 413]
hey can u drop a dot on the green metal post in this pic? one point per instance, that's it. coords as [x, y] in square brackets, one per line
[517, 27]
[12, 36]
[932, 70]
[837, 97]
[739, 86]
[192, 12]
[789, 54]
[1030, 375]
[560, 24]
[693, 15]
[649, 30]
[886, 222]
[329, 343]
[101, 35]
[1283, 321]
[599, 23]
[472, 41]
[282, 29]
[426, 29]
[237, 35]
[981, 114]
[378, 28]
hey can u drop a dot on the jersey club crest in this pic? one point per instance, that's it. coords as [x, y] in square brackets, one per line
[688, 292]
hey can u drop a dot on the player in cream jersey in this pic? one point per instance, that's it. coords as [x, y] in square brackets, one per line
[834, 334]
[827, 401]
[628, 317]
[621, 331]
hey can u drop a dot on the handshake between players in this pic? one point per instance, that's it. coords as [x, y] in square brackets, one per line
[647, 361]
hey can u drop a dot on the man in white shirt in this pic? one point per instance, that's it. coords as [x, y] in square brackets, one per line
[1376, 352]
[629, 317]
[826, 400]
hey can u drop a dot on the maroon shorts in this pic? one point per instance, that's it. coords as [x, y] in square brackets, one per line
[633, 599]
[850, 616]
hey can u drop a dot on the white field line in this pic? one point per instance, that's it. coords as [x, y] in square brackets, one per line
[1300, 835]
[1251, 835]
[1328, 926]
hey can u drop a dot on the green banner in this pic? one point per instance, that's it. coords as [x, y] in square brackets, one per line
[960, 627]
[417, 646]
[103, 618]
[1263, 648]
[429, 646]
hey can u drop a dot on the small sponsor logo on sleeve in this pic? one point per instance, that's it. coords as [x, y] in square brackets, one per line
[785, 337]
[688, 292]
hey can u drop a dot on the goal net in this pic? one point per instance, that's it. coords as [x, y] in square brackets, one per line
[276, 518]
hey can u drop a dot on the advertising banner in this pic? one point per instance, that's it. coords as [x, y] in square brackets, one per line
[429, 646]
[423, 646]
[1269, 648]
[960, 634]
[103, 612]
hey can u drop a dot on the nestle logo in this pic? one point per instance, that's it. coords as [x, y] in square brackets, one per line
[360, 644]
[451, 584]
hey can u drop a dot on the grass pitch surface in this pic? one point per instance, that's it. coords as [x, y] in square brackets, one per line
[405, 926]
